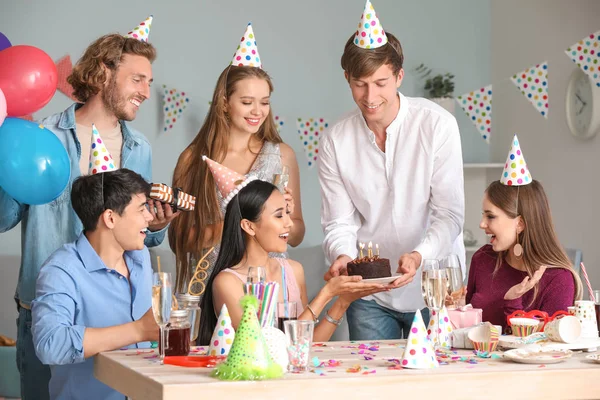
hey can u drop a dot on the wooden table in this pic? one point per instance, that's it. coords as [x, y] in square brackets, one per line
[367, 372]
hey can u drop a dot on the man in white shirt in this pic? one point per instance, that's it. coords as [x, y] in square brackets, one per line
[391, 173]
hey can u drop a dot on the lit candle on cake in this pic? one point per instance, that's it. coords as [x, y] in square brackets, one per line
[377, 248]
[370, 250]
[362, 246]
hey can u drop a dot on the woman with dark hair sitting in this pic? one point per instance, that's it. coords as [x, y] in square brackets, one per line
[257, 223]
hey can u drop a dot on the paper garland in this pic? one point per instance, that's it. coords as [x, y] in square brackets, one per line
[478, 107]
[585, 54]
[174, 103]
[279, 122]
[533, 84]
[64, 66]
[310, 131]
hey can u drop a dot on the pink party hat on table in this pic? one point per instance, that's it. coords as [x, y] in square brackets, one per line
[370, 33]
[515, 171]
[440, 322]
[246, 53]
[223, 335]
[229, 182]
[141, 31]
[419, 353]
[100, 158]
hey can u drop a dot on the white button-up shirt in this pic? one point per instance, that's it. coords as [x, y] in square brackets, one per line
[408, 198]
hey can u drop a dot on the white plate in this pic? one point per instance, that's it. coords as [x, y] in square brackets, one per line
[389, 279]
[514, 342]
[594, 357]
[538, 355]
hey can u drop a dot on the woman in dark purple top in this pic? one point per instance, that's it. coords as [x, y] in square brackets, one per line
[524, 267]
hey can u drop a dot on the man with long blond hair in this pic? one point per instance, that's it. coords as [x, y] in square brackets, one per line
[111, 81]
[390, 174]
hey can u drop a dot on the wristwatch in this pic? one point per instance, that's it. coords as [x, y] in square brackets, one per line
[337, 322]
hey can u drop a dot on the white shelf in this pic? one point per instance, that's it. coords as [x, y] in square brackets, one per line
[483, 165]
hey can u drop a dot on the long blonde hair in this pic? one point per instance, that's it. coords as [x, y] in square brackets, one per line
[538, 238]
[186, 233]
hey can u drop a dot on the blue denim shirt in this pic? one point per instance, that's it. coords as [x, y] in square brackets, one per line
[75, 291]
[45, 228]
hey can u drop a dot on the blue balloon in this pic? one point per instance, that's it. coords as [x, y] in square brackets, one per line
[34, 165]
[4, 42]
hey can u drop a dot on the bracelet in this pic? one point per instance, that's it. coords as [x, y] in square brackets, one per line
[315, 319]
[337, 322]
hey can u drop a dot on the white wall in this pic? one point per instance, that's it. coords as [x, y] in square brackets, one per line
[300, 44]
[525, 33]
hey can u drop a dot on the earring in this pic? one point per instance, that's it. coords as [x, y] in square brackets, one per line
[518, 249]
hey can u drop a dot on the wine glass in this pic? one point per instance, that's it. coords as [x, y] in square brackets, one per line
[281, 180]
[161, 305]
[456, 285]
[256, 275]
[434, 285]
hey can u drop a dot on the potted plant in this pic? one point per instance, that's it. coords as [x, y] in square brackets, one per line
[438, 88]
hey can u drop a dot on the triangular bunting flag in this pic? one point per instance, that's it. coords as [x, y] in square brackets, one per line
[174, 103]
[440, 322]
[585, 54]
[478, 106]
[279, 122]
[533, 84]
[64, 66]
[310, 131]
[419, 352]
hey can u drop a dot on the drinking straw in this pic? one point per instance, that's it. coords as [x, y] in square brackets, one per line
[587, 281]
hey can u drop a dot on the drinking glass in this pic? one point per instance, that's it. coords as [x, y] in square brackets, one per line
[256, 275]
[281, 180]
[161, 305]
[434, 286]
[456, 284]
[299, 334]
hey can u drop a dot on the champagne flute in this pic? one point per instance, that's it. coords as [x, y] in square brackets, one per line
[456, 285]
[434, 285]
[281, 180]
[161, 305]
[256, 275]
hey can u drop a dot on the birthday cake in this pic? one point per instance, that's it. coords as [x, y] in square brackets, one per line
[370, 267]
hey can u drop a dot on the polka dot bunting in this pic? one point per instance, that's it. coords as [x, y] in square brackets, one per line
[174, 103]
[533, 84]
[279, 122]
[247, 51]
[100, 158]
[370, 33]
[141, 31]
[478, 107]
[515, 171]
[443, 328]
[419, 353]
[585, 54]
[223, 335]
[310, 131]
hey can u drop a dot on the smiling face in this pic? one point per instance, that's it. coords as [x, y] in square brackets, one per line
[500, 228]
[128, 87]
[130, 227]
[249, 105]
[377, 95]
[272, 230]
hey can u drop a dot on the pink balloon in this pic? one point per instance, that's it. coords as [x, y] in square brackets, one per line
[28, 78]
[2, 107]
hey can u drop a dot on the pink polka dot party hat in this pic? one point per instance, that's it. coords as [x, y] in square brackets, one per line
[100, 158]
[419, 353]
[229, 182]
[223, 335]
[246, 53]
[515, 171]
[141, 31]
[370, 33]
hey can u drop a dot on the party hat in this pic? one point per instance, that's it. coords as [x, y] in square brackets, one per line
[515, 171]
[419, 351]
[141, 31]
[249, 357]
[100, 158]
[277, 345]
[440, 322]
[223, 335]
[370, 34]
[229, 182]
[247, 52]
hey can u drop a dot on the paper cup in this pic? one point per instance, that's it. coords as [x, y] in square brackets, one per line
[485, 337]
[585, 311]
[522, 327]
[565, 330]
[571, 310]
